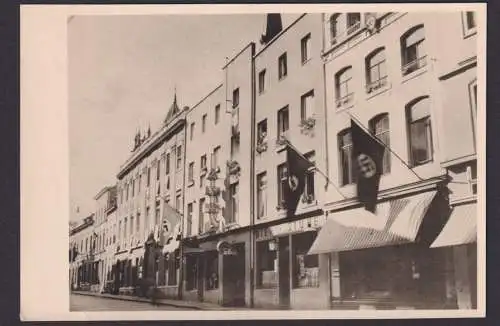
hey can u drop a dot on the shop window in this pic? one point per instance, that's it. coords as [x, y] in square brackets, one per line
[376, 72]
[191, 273]
[379, 127]
[420, 134]
[343, 86]
[212, 271]
[172, 268]
[282, 66]
[413, 54]
[305, 267]
[261, 195]
[267, 265]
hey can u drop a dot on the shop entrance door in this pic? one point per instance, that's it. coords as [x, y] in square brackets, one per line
[284, 272]
[234, 276]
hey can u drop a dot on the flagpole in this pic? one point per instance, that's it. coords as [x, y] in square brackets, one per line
[316, 169]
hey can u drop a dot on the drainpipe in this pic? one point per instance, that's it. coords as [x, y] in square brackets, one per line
[252, 177]
[181, 245]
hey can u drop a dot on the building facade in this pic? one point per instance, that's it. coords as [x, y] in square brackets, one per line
[201, 212]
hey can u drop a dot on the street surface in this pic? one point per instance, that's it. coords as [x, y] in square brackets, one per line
[91, 303]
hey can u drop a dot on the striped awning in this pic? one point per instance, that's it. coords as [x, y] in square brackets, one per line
[461, 227]
[395, 222]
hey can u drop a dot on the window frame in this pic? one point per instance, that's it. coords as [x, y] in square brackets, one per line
[473, 105]
[342, 99]
[201, 216]
[303, 106]
[334, 28]
[191, 131]
[428, 129]
[282, 66]
[386, 161]
[282, 176]
[282, 131]
[191, 172]
[468, 30]
[217, 114]
[203, 123]
[236, 98]
[370, 66]
[345, 155]
[310, 174]
[262, 81]
[351, 28]
[178, 156]
[263, 253]
[407, 66]
[189, 219]
[305, 48]
[262, 189]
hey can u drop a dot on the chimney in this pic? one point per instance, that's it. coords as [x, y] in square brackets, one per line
[273, 27]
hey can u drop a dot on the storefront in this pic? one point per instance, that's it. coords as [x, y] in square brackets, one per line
[286, 275]
[459, 240]
[383, 260]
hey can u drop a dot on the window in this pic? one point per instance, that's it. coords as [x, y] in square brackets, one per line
[204, 123]
[202, 180]
[376, 73]
[334, 28]
[125, 225]
[305, 267]
[133, 190]
[149, 177]
[157, 213]
[178, 203]
[305, 48]
[191, 272]
[189, 219]
[191, 172]
[212, 270]
[308, 196]
[126, 192]
[345, 157]
[283, 122]
[261, 195]
[343, 80]
[307, 105]
[215, 157]
[131, 225]
[470, 23]
[413, 54]
[353, 22]
[158, 170]
[233, 193]
[167, 163]
[146, 221]
[282, 66]
[203, 162]
[235, 145]
[473, 102]
[419, 126]
[139, 183]
[267, 265]
[282, 180]
[262, 81]
[217, 114]
[262, 132]
[236, 98]
[201, 217]
[472, 177]
[179, 157]
[191, 131]
[138, 223]
[379, 127]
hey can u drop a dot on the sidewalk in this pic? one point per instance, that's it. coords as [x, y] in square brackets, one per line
[167, 302]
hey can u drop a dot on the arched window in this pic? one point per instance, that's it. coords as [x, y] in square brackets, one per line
[420, 133]
[379, 127]
[345, 157]
[413, 54]
[334, 27]
[343, 86]
[376, 72]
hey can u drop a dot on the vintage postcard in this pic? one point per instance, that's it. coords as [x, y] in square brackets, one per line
[264, 161]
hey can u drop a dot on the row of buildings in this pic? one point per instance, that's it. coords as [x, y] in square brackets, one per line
[198, 209]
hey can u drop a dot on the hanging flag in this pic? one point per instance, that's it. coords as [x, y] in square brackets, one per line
[367, 155]
[297, 166]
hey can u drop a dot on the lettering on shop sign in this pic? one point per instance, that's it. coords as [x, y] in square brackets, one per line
[298, 226]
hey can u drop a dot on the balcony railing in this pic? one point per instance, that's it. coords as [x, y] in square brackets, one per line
[414, 65]
[344, 100]
[374, 85]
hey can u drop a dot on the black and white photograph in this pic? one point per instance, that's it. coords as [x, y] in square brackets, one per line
[318, 160]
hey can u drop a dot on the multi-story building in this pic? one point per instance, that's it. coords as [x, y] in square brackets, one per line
[215, 175]
[289, 108]
[218, 174]
[385, 72]
[83, 268]
[149, 182]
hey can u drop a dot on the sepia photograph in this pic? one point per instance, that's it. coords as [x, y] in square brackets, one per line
[322, 160]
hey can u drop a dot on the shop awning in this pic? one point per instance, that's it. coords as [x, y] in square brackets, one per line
[461, 227]
[395, 222]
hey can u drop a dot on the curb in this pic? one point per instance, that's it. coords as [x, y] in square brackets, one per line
[159, 302]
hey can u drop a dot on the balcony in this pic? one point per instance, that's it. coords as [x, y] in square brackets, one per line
[345, 100]
[375, 85]
[233, 167]
[414, 65]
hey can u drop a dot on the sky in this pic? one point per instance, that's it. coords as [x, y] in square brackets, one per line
[123, 71]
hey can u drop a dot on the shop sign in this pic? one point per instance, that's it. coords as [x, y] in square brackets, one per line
[303, 225]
